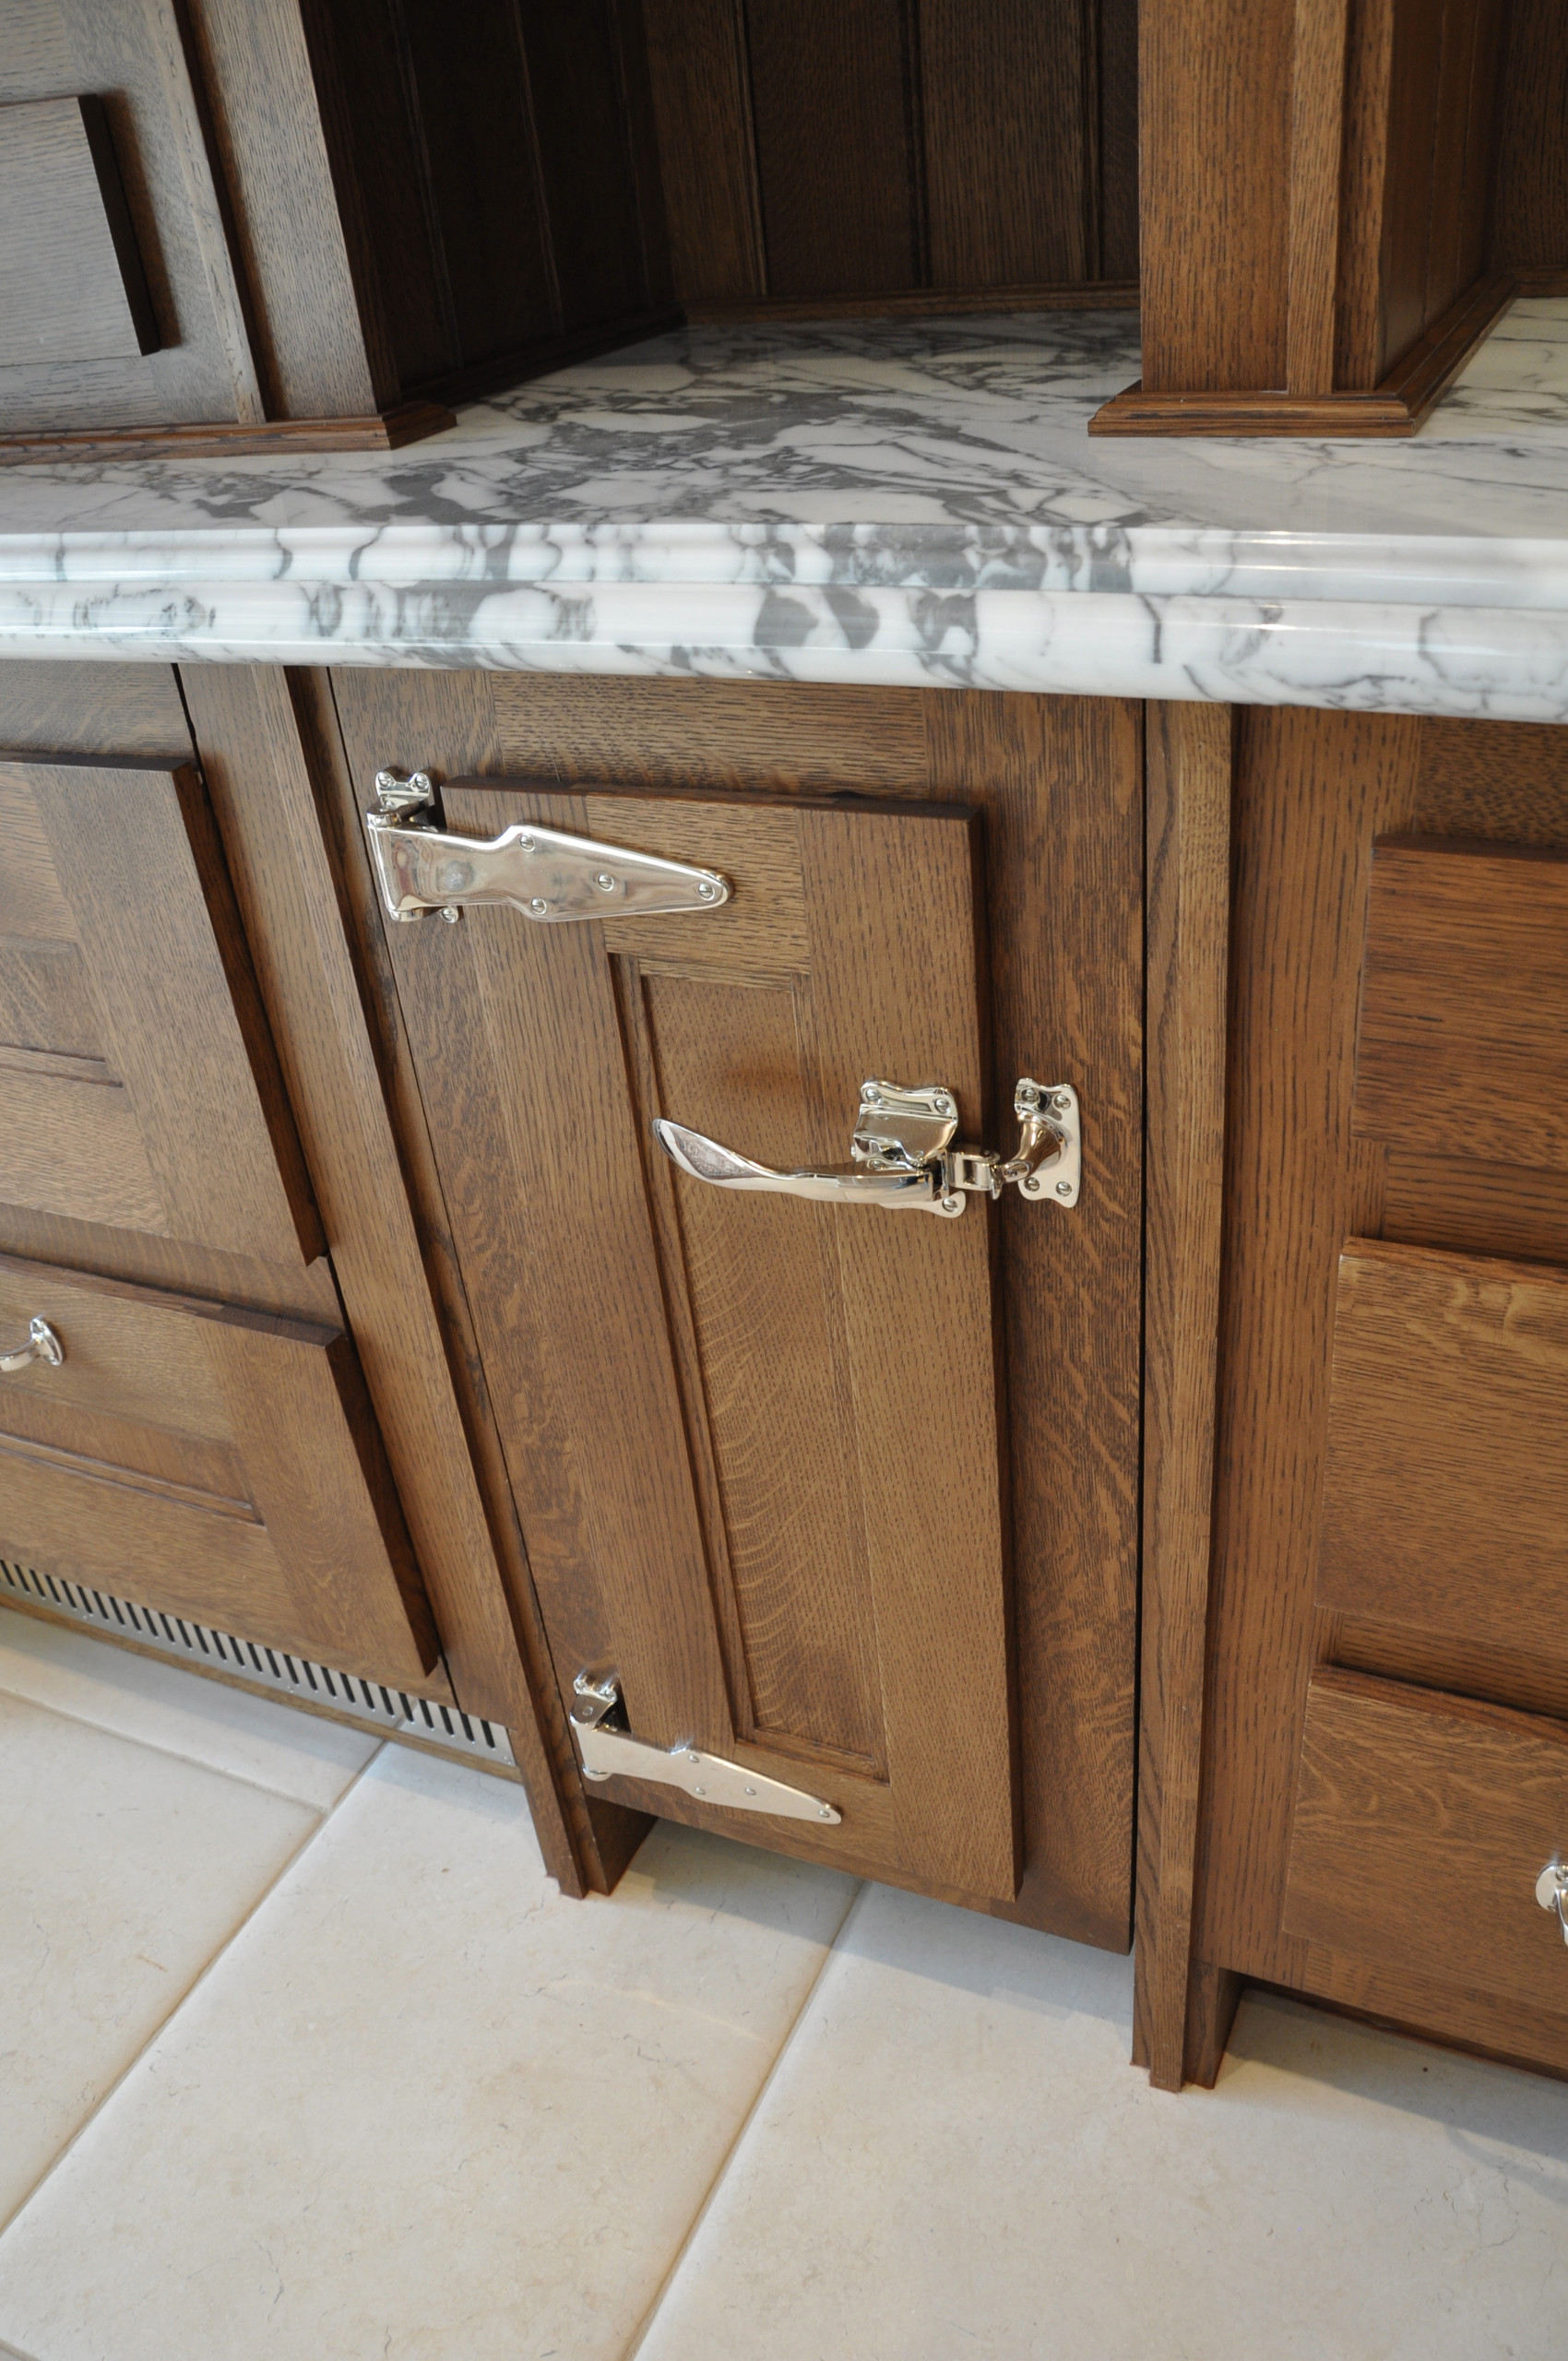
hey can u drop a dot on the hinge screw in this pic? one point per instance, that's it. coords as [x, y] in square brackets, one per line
[451, 914]
[539, 906]
[706, 892]
[1063, 1188]
[605, 882]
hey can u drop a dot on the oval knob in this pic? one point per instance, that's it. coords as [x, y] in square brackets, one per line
[1551, 1892]
[42, 1345]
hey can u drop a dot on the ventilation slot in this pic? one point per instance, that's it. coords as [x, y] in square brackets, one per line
[421, 1721]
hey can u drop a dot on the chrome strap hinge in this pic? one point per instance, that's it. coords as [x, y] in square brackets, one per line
[552, 877]
[1551, 1892]
[606, 1749]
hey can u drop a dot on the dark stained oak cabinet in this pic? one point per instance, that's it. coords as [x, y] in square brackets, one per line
[846, 1494]
[392, 1338]
[1190, 1559]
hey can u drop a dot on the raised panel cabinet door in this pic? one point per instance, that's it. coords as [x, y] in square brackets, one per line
[753, 1439]
[205, 1462]
[139, 1083]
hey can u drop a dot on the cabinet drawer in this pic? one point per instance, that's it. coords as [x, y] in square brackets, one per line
[212, 1463]
[1422, 1823]
[139, 1089]
[1445, 1478]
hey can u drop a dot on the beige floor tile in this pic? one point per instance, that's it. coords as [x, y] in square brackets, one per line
[953, 2158]
[425, 2106]
[163, 1704]
[122, 1869]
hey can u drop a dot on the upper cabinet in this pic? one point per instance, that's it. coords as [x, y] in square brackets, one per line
[844, 153]
[1339, 197]
[228, 224]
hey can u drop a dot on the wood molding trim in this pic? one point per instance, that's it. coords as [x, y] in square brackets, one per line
[1189, 768]
[252, 739]
[922, 303]
[388, 431]
[1397, 407]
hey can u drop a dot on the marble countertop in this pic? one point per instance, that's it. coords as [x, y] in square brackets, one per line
[899, 502]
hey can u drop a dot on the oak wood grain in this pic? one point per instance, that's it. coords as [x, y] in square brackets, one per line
[1464, 1024]
[1392, 1776]
[137, 859]
[1445, 1486]
[265, 742]
[72, 286]
[1189, 764]
[280, 1523]
[353, 726]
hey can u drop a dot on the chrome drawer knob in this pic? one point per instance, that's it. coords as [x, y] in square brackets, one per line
[42, 1345]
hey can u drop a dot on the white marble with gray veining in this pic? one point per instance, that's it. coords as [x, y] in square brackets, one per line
[910, 503]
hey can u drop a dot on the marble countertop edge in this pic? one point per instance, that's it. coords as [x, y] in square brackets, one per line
[1481, 661]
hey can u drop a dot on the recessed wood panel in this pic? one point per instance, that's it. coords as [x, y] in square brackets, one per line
[1007, 89]
[771, 1358]
[1445, 1492]
[1464, 1026]
[749, 1392]
[140, 1084]
[1422, 1825]
[832, 101]
[72, 287]
[207, 1462]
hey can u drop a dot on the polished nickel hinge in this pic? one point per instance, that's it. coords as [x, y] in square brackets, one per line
[549, 876]
[902, 1153]
[607, 1750]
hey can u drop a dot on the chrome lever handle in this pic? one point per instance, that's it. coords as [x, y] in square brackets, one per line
[42, 1345]
[834, 1184]
[549, 876]
[903, 1154]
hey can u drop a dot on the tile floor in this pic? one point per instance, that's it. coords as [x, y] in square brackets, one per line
[303, 2054]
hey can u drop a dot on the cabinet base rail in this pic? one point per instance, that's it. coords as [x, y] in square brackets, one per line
[416, 1721]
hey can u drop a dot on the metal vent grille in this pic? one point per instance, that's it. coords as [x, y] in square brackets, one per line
[422, 1720]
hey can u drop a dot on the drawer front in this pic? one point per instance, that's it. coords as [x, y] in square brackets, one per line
[207, 1462]
[138, 1085]
[1421, 1825]
[1446, 1481]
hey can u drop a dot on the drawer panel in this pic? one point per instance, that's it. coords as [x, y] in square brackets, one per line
[1446, 1484]
[213, 1463]
[138, 1085]
[1422, 1825]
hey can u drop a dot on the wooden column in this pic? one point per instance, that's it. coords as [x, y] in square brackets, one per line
[1316, 182]
[1189, 898]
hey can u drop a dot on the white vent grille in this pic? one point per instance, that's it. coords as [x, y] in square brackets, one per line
[423, 1720]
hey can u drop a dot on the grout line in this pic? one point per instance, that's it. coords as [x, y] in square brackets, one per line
[649, 2318]
[174, 1754]
[224, 1947]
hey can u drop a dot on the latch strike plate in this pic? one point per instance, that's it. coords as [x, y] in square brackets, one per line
[606, 1749]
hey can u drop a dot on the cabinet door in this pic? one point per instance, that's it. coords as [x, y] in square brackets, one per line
[138, 1085]
[753, 1440]
[207, 1462]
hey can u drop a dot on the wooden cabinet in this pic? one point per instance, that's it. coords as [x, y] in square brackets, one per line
[210, 1462]
[1387, 1665]
[1420, 1826]
[846, 1495]
[199, 1438]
